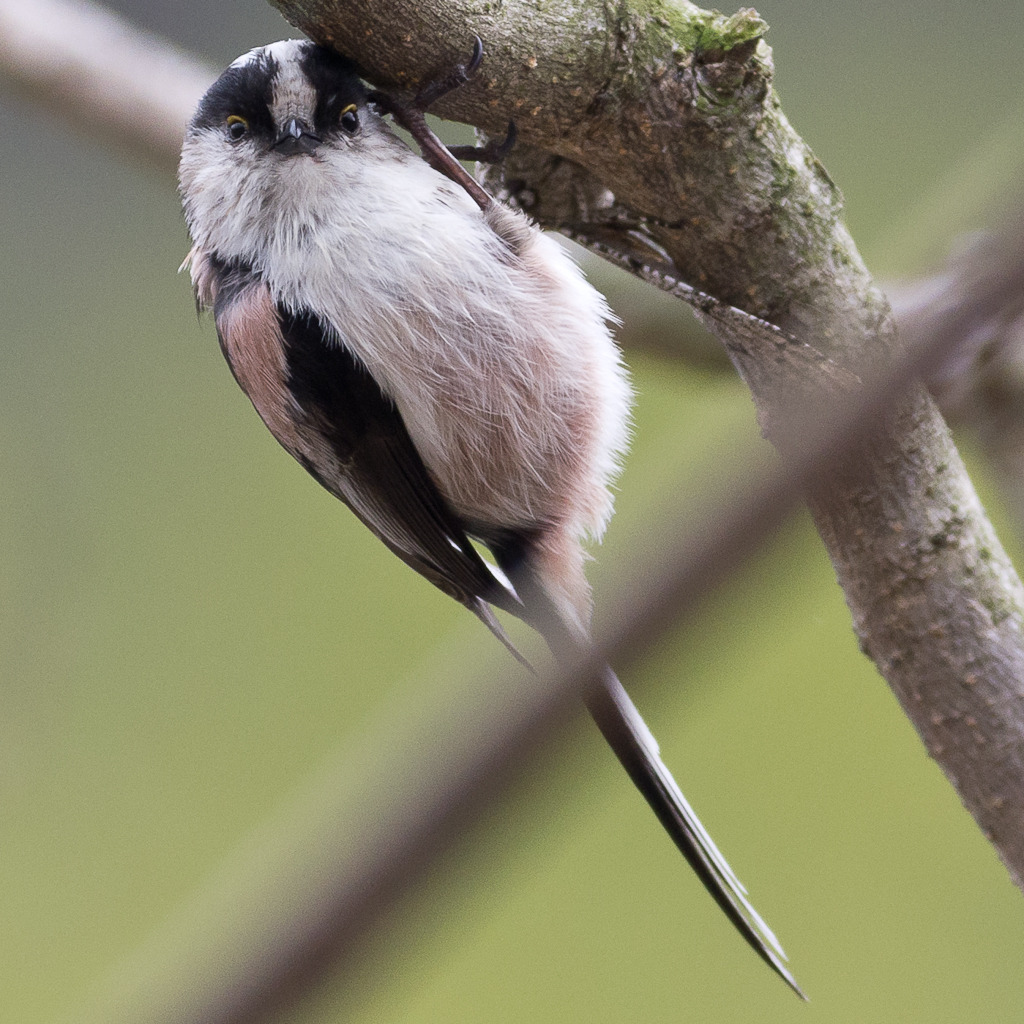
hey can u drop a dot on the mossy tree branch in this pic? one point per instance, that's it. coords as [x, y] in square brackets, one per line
[652, 129]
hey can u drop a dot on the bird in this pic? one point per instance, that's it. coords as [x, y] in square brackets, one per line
[431, 358]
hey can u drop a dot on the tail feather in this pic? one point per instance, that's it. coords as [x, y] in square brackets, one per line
[635, 747]
[637, 750]
[483, 612]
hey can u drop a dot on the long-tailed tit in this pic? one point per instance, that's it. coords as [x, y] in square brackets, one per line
[430, 357]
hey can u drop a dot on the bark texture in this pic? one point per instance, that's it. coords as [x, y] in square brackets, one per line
[652, 129]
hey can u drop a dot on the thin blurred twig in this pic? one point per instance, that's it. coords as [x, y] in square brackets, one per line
[981, 386]
[104, 75]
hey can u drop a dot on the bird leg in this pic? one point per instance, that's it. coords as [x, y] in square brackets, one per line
[412, 117]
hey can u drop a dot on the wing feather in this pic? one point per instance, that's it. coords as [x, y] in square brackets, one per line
[326, 410]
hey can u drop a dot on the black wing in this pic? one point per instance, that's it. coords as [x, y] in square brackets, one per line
[325, 408]
[383, 478]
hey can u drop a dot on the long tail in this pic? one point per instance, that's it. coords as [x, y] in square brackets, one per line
[635, 747]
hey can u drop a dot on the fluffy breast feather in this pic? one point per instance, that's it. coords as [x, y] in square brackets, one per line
[484, 333]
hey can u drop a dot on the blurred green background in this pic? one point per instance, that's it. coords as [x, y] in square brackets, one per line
[190, 629]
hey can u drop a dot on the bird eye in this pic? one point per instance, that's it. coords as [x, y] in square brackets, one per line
[237, 127]
[349, 119]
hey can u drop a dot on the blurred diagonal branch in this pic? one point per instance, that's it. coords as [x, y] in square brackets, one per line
[982, 385]
[102, 75]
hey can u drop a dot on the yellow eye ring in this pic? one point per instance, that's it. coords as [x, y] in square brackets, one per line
[237, 126]
[349, 118]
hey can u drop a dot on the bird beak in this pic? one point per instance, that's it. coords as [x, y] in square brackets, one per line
[296, 139]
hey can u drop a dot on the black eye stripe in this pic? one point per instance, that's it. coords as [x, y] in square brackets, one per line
[245, 91]
[336, 83]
